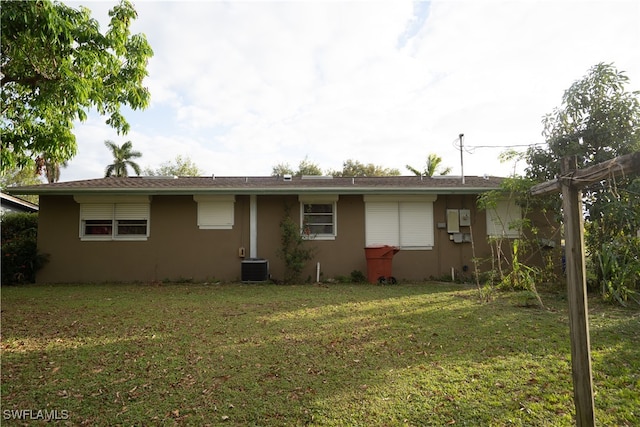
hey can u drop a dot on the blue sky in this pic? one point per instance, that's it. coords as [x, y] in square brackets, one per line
[241, 86]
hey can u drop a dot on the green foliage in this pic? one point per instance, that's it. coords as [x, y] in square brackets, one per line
[353, 168]
[181, 166]
[293, 250]
[510, 270]
[619, 270]
[431, 167]
[56, 66]
[521, 276]
[20, 257]
[598, 121]
[358, 276]
[350, 168]
[19, 177]
[305, 167]
[122, 155]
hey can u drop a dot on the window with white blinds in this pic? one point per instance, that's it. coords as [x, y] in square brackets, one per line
[215, 212]
[406, 222]
[503, 220]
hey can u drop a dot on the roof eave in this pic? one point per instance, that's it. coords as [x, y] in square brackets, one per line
[252, 191]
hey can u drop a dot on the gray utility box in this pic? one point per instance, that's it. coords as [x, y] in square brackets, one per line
[255, 270]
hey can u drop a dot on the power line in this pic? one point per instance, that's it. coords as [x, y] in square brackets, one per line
[506, 146]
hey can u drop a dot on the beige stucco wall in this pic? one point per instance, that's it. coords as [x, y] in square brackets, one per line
[177, 249]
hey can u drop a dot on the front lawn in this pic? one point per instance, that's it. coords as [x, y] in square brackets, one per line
[237, 354]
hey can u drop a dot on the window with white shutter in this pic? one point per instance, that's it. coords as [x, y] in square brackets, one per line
[404, 221]
[382, 222]
[503, 220]
[416, 225]
[215, 212]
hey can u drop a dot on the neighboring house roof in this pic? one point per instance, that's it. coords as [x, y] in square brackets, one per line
[267, 185]
[16, 204]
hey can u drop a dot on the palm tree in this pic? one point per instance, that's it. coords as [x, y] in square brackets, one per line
[122, 156]
[49, 167]
[431, 167]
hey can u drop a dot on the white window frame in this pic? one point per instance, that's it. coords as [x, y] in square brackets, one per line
[403, 221]
[110, 211]
[319, 200]
[215, 212]
[500, 218]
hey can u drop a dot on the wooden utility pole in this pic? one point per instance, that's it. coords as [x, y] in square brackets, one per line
[570, 183]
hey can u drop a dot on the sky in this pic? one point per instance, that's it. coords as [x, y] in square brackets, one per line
[242, 86]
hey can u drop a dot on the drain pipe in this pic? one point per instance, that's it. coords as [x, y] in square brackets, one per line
[253, 226]
[318, 272]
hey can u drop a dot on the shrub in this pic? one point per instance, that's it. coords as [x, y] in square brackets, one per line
[618, 265]
[293, 250]
[358, 277]
[20, 257]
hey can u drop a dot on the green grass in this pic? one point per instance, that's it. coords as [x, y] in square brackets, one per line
[232, 354]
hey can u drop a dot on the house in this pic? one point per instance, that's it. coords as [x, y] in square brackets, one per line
[12, 204]
[210, 228]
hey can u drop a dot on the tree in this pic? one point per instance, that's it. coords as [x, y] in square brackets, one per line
[352, 168]
[305, 167]
[182, 166]
[597, 121]
[19, 177]
[56, 66]
[282, 169]
[122, 156]
[431, 167]
[20, 256]
[49, 168]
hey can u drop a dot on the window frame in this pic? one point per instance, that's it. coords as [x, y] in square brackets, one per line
[109, 212]
[316, 200]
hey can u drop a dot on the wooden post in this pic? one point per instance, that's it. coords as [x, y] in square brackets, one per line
[577, 294]
[570, 183]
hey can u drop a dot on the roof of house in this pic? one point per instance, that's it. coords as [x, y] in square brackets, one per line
[18, 203]
[267, 185]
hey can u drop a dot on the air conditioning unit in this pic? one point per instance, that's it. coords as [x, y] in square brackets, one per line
[255, 270]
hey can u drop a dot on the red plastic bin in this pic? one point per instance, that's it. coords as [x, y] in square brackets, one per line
[380, 262]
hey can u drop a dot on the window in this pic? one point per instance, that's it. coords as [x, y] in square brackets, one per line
[318, 216]
[215, 212]
[404, 221]
[503, 220]
[125, 218]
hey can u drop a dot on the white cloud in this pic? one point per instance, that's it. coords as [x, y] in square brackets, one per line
[243, 86]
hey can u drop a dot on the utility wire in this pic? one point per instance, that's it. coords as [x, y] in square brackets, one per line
[506, 146]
